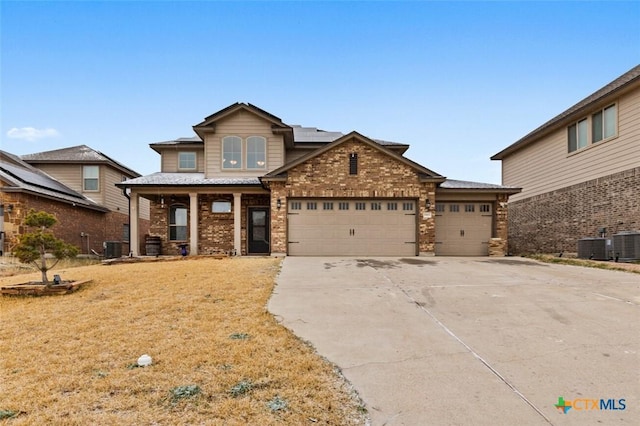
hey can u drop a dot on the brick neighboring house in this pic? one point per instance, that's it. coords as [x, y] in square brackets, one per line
[77, 185]
[250, 184]
[579, 172]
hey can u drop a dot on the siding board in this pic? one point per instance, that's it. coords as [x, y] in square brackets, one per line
[242, 124]
[546, 166]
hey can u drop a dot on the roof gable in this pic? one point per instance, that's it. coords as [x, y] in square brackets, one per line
[426, 173]
[209, 123]
[81, 154]
[620, 84]
[21, 176]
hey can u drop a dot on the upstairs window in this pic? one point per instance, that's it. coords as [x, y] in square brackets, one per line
[232, 152]
[603, 124]
[578, 135]
[599, 126]
[186, 161]
[256, 152]
[91, 178]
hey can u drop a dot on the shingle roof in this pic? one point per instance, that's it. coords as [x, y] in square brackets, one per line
[191, 140]
[186, 179]
[81, 154]
[22, 177]
[428, 174]
[615, 86]
[463, 184]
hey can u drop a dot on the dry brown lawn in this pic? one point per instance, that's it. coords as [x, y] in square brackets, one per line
[219, 357]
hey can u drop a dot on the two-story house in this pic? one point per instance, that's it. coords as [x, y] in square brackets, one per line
[23, 187]
[579, 172]
[250, 184]
[85, 174]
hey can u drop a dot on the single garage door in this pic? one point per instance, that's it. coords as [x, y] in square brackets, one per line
[463, 228]
[321, 227]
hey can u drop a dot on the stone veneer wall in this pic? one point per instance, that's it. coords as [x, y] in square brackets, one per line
[327, 175]
[555, 221]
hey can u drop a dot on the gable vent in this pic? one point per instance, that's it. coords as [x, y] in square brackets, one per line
[353, 163]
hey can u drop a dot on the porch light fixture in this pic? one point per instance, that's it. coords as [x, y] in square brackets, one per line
[428, 204]
[162, 201]
[278, 203]
[10, 208]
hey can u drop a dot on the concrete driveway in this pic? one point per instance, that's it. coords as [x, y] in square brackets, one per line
[471, 341]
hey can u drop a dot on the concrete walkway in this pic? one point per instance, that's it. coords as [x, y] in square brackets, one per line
[470, 341]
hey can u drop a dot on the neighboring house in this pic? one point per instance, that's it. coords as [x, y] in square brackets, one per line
[250, 184]
[579, 172]
[76, 184]
[24, 187]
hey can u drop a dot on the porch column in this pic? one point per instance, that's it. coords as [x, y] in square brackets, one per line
[237, 222]
[193, 225]
[134, 243]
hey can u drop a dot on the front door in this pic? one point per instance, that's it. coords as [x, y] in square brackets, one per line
[258, 230]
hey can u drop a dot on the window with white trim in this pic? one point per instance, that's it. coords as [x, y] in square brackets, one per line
[91, 178]
[599, 126]
[178, 223]
[578, 135]
[221, 206]
[604, 124]
[256, 152]
[231, 152]
[186, 161]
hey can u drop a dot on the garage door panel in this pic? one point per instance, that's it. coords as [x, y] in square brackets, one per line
[463, 229]
[351, 228]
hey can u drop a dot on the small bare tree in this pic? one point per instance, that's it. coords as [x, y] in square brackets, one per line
[33, 247]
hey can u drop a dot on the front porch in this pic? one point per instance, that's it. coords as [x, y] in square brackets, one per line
[212, 222]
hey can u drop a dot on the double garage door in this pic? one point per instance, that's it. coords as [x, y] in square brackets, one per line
[321, 227]
[463, 228]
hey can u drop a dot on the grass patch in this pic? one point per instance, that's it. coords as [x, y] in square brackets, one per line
[182, 392]
[71, 359]
[11, 266]
[613, 266]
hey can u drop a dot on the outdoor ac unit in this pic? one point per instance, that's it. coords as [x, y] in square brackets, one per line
[594, 248]
[112, 249]
[626, 246]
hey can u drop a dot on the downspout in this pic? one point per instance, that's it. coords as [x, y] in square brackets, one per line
[1, 229]
[124, 192]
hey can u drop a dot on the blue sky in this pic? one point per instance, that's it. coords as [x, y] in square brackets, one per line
[458, 81]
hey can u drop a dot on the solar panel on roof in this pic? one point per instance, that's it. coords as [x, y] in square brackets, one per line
[37, 179]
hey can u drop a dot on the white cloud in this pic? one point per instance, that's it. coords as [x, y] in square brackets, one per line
[31, 134]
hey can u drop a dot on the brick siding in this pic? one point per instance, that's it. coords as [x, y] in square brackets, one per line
[327, 175]
[555, 221]
[215, 230]
[73, 222]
